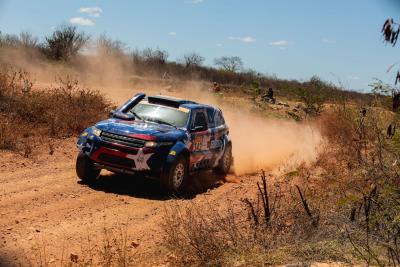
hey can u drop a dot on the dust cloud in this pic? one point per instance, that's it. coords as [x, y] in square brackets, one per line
[258, 142]
[266, 144]
[97, 70]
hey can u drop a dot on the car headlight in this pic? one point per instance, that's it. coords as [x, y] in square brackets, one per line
[157, 144]
[150, 144]
[96, 132]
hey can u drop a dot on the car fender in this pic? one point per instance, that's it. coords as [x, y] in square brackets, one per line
[84, 137]
[178, 149]
[84, 143]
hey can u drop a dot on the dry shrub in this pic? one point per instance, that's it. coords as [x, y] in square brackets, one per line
[74, 108]
[243, 233]
[60, 111]
[344, 207]
[297, 227]
[203, 237]
[7, 140]
[114, 249]
[359, 174]
[339, 128]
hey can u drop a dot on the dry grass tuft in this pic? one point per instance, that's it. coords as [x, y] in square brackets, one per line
[247, 233]
[112, 250]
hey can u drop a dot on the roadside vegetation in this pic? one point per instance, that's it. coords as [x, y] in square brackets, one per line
[29, 115]
[114, 248]
[343, 208]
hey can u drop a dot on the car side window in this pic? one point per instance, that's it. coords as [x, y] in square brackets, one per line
[200, 122]
[219, 119]
[211, 117]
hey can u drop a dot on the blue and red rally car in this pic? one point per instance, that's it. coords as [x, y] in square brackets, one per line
[164, 137]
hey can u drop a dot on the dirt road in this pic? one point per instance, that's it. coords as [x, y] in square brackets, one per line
[46, 214]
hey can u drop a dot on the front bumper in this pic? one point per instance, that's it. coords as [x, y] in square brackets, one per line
[117, 157]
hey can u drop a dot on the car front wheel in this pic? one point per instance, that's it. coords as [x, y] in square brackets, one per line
[85, 168]
[176, 178]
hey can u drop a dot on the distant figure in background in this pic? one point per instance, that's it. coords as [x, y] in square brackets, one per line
[391, 130]
[269, 96]
[363, 112]
[270, 93]
[216, 88]
[361, 127]
[396, 101]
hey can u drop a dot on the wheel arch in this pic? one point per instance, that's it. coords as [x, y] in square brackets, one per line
[179, 149]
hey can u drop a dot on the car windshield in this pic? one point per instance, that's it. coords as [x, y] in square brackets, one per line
[160, 114]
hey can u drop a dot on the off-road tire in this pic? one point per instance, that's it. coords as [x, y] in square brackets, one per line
[175, 180]
[85, 168]
[224, 164]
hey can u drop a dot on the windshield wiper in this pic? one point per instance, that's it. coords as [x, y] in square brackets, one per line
[164, 122]
[136, 115]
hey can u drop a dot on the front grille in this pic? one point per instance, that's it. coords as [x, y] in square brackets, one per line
[122, 139]
[117, 160]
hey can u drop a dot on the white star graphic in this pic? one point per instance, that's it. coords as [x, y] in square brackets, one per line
[140, 160]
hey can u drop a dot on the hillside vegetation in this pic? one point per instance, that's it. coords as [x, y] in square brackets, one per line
[67, 46]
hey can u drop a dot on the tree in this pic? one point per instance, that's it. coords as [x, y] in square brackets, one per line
[231, 64]
[193, 60]
[65, 43]
[154, 56]
[25, 39]
[107, 46]
[314, 95]
[9, 39]
[28, 40]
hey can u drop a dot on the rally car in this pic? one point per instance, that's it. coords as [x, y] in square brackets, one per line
[162, 137]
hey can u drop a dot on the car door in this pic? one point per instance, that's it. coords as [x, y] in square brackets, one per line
[200, 141]
[216, 133]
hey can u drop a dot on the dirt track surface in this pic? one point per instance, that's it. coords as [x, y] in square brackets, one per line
[43, 206]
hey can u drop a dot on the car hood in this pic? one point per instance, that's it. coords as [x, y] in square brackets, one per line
[141, 129]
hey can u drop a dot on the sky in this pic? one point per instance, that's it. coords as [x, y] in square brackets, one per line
[339, 41]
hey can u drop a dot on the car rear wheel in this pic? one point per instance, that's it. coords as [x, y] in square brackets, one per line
[225, 162]
[176, 178]
[85, 168]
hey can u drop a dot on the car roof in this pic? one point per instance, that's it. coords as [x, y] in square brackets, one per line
[197, 106]
[176, 102]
